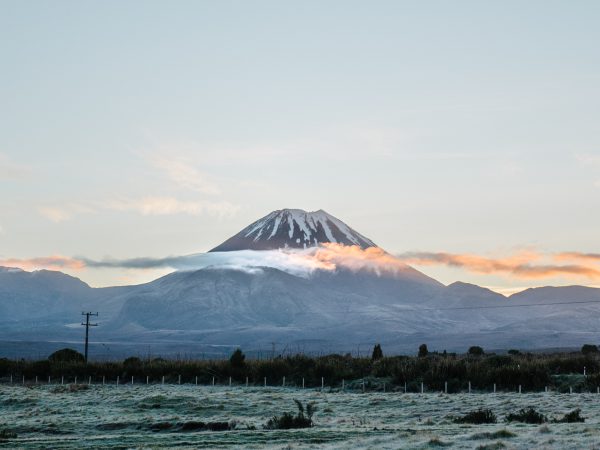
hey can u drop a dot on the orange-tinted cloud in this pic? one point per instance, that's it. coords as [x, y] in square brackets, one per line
[45, 262]
[353, 257]
[578, 256]
[524, 265]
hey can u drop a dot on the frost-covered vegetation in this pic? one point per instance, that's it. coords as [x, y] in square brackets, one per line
[189, 416]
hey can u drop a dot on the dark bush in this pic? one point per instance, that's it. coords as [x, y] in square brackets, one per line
[475, 351]
[287, 420]
[5, 435]
[66, 355]
[571, 417]
[527, 415]
[237, 359]
[423, 350]
[377, 352]
[477, 417]
[587, 349]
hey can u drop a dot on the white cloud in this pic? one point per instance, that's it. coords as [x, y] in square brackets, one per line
[592, 161]
[65, 212]
[589, 159]
[170, 205]
[182, 172]
[54, 214]
[10, 170]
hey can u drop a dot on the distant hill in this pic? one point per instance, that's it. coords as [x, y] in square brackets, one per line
[254, 307]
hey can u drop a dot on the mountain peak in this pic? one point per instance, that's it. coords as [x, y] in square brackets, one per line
[294, 228]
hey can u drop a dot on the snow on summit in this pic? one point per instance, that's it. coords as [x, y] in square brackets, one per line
[294, 228]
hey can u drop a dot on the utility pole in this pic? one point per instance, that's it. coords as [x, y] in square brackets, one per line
[87, 325]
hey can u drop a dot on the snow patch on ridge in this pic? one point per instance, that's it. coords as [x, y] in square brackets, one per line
[294, 228]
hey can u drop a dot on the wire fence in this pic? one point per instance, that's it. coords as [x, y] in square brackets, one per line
[361, 386]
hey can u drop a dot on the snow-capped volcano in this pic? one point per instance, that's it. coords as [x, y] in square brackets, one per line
[294, 228]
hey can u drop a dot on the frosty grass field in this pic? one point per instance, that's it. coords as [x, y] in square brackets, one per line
[122, 417]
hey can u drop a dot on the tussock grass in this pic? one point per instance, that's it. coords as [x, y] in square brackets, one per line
[500, 434]
[478, 416]
[527, 415]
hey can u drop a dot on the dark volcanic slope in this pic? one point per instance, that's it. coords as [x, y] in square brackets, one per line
[293, 228]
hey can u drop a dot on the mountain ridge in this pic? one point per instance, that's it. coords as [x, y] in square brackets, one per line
[335, 306]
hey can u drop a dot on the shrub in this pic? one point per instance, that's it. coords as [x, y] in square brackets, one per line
[5, 435]
[132, 362]
[571, 417]
[377, 352]
[287, 420]
[527, 415]
[66, 355]
[237, 359]
[476, 351]
[513, 351]
[587, 349]
[477, 417]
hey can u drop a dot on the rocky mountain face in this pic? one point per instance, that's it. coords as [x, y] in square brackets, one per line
[293, 228]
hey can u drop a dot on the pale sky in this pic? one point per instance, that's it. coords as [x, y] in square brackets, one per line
[150, 129]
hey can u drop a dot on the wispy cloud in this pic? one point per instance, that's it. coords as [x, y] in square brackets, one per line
[523, 265]
[45, 262]
[10, 170]
[170, 205]
[201, 196]
[300, 262]
[184, 173]
[64, 212]
[591, 160]
[577, 256]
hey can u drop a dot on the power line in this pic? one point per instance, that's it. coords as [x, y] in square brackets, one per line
[503, 306]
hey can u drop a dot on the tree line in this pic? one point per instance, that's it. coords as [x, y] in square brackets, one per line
[435, 370]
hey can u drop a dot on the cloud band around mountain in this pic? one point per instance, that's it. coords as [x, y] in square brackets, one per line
[522, 265]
